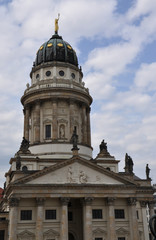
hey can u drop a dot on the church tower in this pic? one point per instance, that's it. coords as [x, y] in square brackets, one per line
[57, 102]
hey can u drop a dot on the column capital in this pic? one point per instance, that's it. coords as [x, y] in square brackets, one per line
[143, 204]
[64, 200]
[40, 201]
[14, 202]
[88, 200]
[110, 201]
[132, 201]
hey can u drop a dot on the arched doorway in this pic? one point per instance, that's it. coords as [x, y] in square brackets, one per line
[71, 237]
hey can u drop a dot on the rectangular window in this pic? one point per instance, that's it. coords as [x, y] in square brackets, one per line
[98, 238]
[97, 213]
[47, 131]
[121, 238]
[50, 214]
[26, 214]
[119, 213]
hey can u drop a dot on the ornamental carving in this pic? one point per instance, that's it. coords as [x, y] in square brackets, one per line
[50, 234]
[80, 177]
[143, 204]
[110, 201]
[64, 200]
[88, 200]
[26, 235]
[40, 201]
[132, 201]
[13, 202]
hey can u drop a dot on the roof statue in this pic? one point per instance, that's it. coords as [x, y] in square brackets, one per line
[56, 24]
[128, 164]
[24, 148]
[103, 146]
[147, 171]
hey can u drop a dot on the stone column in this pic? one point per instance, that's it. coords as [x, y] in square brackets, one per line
[54, 126]
[39, 218]
[88, 127]
[13, 216]
[37, 122]
[111, 219]
[64, 219]
[134, 232]
[143, 205]
[84, 127]
[26, 122]
[87, 218]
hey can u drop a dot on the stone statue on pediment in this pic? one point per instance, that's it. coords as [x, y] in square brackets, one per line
[128, 164]
[103, 146]
[147, 171]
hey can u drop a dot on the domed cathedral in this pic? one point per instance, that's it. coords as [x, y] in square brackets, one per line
[57, 102]
[54, 189]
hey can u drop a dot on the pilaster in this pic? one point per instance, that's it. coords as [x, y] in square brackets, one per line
[88, 127]
[26, 122]
[37, 122]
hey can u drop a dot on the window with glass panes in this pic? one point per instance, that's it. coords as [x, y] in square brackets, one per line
[50, 214]
[119, 213]
[97, 213]
[26, 214]
[47, 131]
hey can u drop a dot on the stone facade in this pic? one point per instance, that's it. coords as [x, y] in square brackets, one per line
[56, 191]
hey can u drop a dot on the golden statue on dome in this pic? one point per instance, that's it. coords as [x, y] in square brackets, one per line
[56, 24]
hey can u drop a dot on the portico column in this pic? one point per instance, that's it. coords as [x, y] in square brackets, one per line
[143, 205]
[39, 218]
[111, 219]
[87, 218]
[13, 216]
[64, 219]
[133, 219]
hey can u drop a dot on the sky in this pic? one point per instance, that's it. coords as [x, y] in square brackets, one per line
[115, 42]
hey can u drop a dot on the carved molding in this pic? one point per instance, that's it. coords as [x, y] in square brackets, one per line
[50, 234]
[98, 232]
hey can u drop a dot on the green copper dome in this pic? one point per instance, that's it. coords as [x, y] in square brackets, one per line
[56, 49]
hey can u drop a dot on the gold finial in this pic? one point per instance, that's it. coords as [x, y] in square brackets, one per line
[56, 24]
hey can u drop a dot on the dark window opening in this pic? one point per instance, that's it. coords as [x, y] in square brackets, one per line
[98, 238]
[50, 214]
[2, 234]
[97, 213]
[48, 131]
[119, 213]
[121, 238]
[137, 213]
[26, 214]
[70, 216]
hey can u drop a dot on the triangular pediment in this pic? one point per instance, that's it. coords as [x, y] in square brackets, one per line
[50, 233]
[26, 235]
[75, 171]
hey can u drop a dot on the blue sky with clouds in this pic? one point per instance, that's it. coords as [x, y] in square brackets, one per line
[115, 42]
